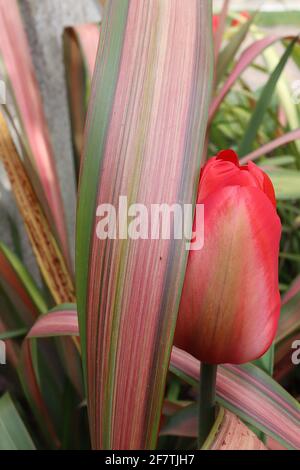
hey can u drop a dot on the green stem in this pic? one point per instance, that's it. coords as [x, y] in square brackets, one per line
[207, 401]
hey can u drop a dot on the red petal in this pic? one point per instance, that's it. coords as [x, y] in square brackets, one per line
[220, 172]
[228, 155]
[269, 189]
[264, 181]
[230, 302]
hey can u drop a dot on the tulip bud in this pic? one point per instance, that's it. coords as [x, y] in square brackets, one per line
[230, 302]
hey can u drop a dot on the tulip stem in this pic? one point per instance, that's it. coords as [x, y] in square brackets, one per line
[207, 401]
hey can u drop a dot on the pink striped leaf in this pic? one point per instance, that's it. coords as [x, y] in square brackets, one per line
[87, 37]
[274, 445]
[62, 321]
[144, 140]
[80, 50]
[245, 390]
[229, 433]
[270, 146]
[249, 393]
[20, 77]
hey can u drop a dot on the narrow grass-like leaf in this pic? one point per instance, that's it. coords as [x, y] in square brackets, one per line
[145, 136]
[227, 55]
[251, 394]
[13, 433]
[20, 283]
[287, 105]
[21, 81]
[218, 36]
[263, 103]
[278, 161]
[29, 379]
[286, 183]
[273, 145]
[21, 332]
[45, 247]
[246, 59]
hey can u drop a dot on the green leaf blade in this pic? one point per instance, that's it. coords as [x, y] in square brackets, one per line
[13, 434]
[263, 103]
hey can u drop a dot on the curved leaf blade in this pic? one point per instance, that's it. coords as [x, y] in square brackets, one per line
[17, 277]
[246, 58]
[227, 55]
[60, 322]
[20, 75]
[46, 249]
[119, 280]
[251, 394]
[263, 103]
[13, 433]
[286, 183]
[273, 145]
[80, 50]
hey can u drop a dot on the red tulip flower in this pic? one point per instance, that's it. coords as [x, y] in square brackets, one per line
[230, 302]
